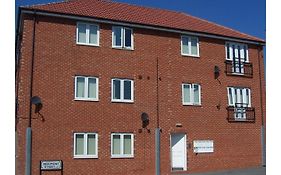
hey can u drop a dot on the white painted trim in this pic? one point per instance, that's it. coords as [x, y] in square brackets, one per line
[246, 57]
[122, 155]
[143, 26]
[185, 151]
[85, 98]
[85, 155]
[123, 38]
[189, 46]
[236, 97]
[191, 103]
[88, 34]
[122, 91]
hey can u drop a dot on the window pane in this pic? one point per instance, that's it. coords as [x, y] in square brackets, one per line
[116, 144]
[185, 47]
[186, 93]
[116, 89]
[194, 46]
[196, 94]
[246, 100]
[230, 96]
[92, 88]
[117, 36]
[93, 34]
[82, 33]
[127, 90]
[127, 144]
[91, 145]
[128, 38]
[227, 51]
[79, 144]
[80, 86]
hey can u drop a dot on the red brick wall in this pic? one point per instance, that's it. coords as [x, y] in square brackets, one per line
[58, 59]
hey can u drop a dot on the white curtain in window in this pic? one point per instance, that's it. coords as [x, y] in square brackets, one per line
[116, 144]
[92, 88]
[196, 93]
[194, 46]
[91, 145]
[127, 144]
[186, 93]
[79, 144]
[82, 33]
[185, 46]
[93, 34]
[80, 87]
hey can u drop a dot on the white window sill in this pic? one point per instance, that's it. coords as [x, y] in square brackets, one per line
[86, 99]
[122, 48]
[188, 55]
[88, 44]
[85, 157]
[122, 156]
[191, 104]
[122, 101]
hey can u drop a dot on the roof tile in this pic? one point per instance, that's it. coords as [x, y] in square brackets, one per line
[105, 9]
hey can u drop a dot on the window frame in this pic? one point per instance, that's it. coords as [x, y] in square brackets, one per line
[123, 38]
[236, 46]
[87, 43]
[85, 155]
[233, 99]
[191, 103]
[122, 91]
[122, 155]
[85, 98]
[189, 46]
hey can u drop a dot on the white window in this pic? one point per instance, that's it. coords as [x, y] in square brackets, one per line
[85, 145]
[86, 88]
[191, 94]
[190, 46]
[122, 145]
[122, 37]
[239, 96]
[87, 34]
[236, 52]
[122, 90]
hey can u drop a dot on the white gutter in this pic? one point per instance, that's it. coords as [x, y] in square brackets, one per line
[141, 26]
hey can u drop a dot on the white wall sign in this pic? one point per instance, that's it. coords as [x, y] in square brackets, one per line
[203, 146]
[51, 164]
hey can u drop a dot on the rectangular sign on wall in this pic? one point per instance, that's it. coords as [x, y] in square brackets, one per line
[51, 165]
[203, 146]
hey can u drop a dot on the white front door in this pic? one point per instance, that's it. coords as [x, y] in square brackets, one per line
[178, 152]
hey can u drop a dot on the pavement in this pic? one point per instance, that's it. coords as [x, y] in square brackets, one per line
[246, 171]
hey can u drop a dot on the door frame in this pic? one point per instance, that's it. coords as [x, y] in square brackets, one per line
[185, 151]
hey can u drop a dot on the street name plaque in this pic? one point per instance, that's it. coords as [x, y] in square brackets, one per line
[50, 165]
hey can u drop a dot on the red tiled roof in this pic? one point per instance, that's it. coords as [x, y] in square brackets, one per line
[116, 11]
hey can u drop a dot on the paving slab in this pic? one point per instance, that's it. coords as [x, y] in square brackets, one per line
[246, 171]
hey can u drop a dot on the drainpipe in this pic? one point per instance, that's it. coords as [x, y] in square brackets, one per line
[157, 130]
[262, 115]
[28, 129]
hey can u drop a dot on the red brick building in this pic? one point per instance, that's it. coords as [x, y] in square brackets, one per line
[108, 74]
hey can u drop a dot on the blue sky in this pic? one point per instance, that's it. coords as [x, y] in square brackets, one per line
[247, 16]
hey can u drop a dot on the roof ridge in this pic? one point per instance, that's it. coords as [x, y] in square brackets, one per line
[49, 3]
[228, 28]
[142, 6]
